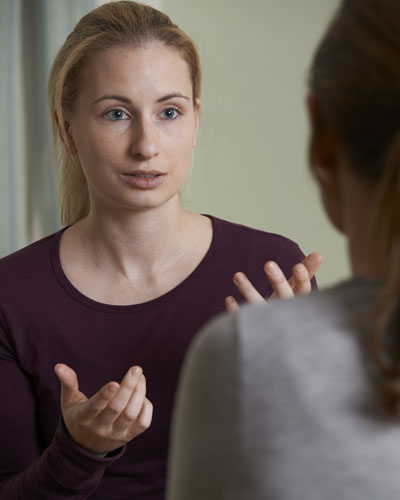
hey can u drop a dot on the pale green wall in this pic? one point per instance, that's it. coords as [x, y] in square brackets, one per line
[13, 199]
[250, 165]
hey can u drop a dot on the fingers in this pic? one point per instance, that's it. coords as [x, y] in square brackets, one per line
[133, 386]
[304, 272]
[97, 403]
[133, 407]
[312, 263]
[279, 283]
[112, 417]
[300, 280]
[70, 393]
[299, 283]
[245, 287]
[144, 418]
[129, 413]
[231, 304]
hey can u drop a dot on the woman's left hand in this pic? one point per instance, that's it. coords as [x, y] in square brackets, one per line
[298, 284]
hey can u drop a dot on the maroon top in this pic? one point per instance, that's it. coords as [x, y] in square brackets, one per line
[45, 320]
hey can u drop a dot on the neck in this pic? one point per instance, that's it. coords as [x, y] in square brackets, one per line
[144, 238]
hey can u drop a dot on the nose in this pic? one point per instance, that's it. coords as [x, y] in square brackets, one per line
[144, 141]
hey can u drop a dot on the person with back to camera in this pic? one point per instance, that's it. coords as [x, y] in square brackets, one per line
[121, 290]
[300, 399]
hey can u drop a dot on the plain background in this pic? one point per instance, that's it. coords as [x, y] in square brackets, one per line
[250, 165]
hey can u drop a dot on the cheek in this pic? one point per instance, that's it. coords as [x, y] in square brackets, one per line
[183, 152]
[178, 147]
[95, 150]
[333, 209]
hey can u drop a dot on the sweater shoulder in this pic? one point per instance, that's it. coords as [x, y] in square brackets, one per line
[235, 229]
[247, 236]
[28, 263]
[341, 309]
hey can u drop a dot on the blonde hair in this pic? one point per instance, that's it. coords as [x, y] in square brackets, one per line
[110, 25]
[355, 79]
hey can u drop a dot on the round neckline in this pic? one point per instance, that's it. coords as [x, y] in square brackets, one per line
[131, 308]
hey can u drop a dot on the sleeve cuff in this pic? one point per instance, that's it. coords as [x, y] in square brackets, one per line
[73, 465]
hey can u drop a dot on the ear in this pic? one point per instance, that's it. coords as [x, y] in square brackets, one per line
[326, 162]
[197, 107]
[65, 135]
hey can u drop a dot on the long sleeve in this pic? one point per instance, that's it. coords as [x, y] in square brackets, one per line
[63, 470]
[44, 320]
[203, 457]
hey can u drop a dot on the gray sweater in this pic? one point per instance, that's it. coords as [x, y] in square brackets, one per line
[277, 403]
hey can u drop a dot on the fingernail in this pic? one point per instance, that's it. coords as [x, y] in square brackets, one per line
[135, 371]
[59, 368]
[239, 277]
[113, 388]
[271, 266]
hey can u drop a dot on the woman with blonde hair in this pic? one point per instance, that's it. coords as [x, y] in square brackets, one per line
[311, 410]
[119, 292]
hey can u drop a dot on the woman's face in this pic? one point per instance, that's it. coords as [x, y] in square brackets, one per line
[134, 126]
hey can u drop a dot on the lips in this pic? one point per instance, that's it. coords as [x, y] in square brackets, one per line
[143, 179]
[144, 173]
[145, 176]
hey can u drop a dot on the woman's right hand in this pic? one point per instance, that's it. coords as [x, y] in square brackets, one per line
[113, 416]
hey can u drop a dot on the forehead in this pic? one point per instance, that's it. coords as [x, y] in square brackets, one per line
[151, 70]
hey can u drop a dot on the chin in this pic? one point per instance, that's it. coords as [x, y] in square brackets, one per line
[131, 200]
[150, 201]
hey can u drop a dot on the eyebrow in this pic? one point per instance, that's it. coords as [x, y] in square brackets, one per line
[112, 97]
[127, 101]
[172, 96]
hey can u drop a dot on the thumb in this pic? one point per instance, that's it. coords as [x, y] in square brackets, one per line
[70, 393]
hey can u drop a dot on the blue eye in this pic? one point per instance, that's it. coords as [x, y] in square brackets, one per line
[116, 115]
[170, 113]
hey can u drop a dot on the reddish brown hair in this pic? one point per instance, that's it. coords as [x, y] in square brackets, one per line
[355, 80]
